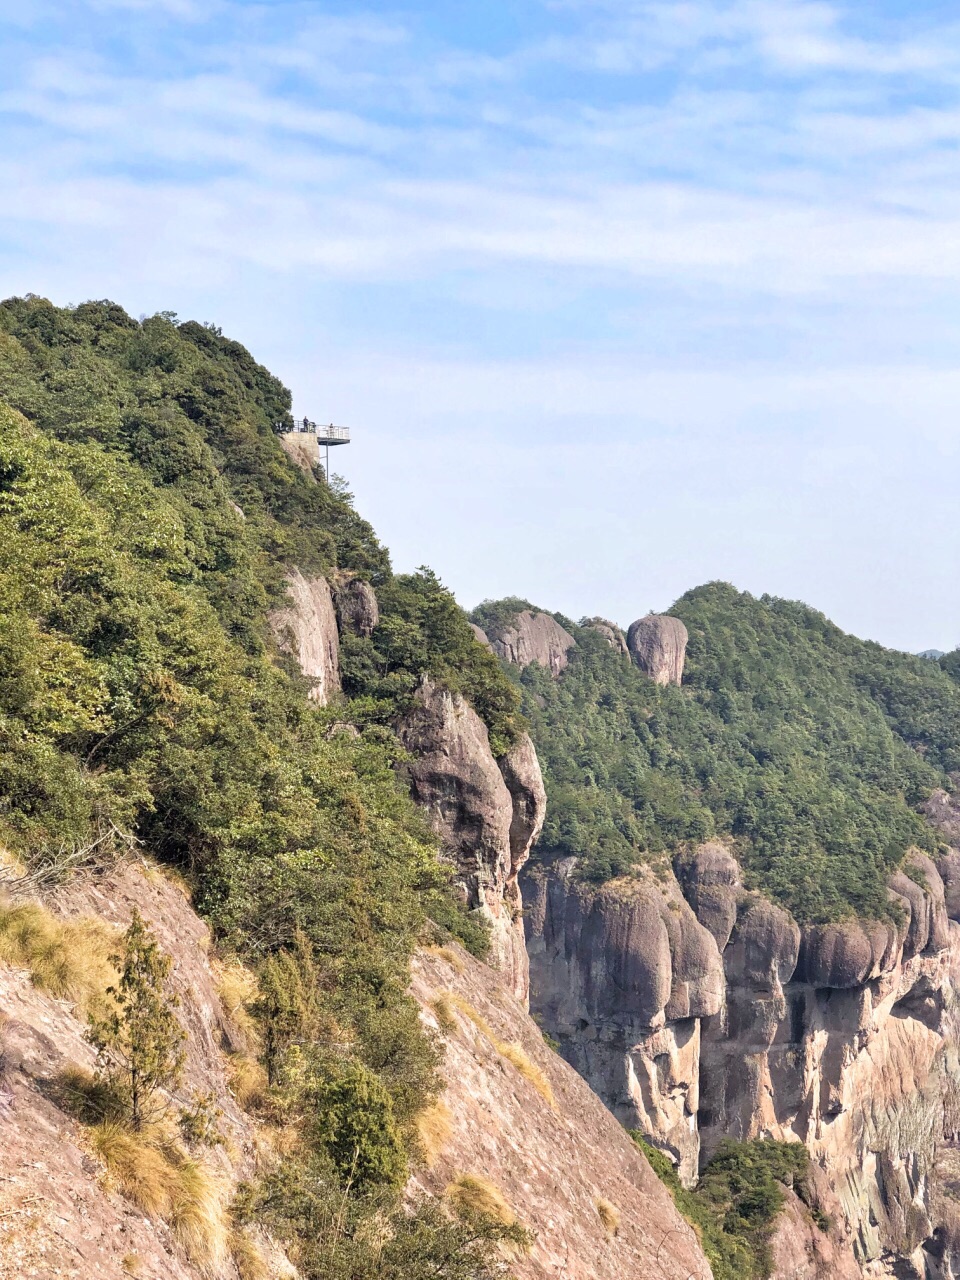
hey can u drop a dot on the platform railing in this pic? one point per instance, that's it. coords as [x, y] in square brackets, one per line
[326, 433]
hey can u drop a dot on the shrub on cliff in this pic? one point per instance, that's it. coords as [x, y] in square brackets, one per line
[734, 1206]
[139, 1041]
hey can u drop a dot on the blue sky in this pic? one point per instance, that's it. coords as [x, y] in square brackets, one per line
[617, 296]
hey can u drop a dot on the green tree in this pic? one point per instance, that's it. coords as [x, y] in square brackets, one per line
[289, 1006]
[353, 1121]
[140, 1044]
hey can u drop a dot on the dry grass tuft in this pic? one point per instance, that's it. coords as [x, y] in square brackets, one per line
[471, 1195]
[155, 1174]
[237, 988]
[199, 1217]
[130, 1262]
[247, 1258]
[66, 958]
[140, 1169]
[12, 866]
[442, 1006]
[609, 1215]
[450, 956]
[163, 871]
[514, 1053]
[434, 1127]
[247, 1081]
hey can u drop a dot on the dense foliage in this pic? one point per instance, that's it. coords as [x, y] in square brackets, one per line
[147, 518]
[735, 1204]
[810, 747]
[950, 663]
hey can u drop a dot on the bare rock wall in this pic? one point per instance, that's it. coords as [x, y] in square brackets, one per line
[699, 1011]
[306, 628]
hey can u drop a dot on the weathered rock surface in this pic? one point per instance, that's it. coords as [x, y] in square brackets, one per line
[611, 633]
[356, 604]
[301, 448]
[59, 1216]
[840, 1036]
[487, 815]
[658, 644]
[799, 1250]
[621, 975]
[533, 637]
[306, 628]
[553, 1163]
[521, 772]
[711, 883]
[943, 812]
[481, 635]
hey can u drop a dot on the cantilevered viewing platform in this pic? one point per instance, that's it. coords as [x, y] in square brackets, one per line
[306, 438]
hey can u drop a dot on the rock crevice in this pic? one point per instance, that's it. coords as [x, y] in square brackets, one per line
[488, 814]
[699, 1010]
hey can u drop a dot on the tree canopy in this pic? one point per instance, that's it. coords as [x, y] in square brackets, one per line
[810, 747]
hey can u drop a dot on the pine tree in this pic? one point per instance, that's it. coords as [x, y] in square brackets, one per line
[140, 1044]
[290, 1007]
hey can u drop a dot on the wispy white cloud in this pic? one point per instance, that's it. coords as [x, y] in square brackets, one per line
[498, 250]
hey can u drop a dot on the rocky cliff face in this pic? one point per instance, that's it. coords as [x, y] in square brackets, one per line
[698, 1010]
[488, 815]
[533, 637]
[513, 1113]
[658, 645]
[306, 627]
[521, 1118]
[59, 1213]
[480, 635]
[301, 448]
[356, 604]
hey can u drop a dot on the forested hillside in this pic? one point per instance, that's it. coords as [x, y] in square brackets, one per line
[147, 517]
[812, 748]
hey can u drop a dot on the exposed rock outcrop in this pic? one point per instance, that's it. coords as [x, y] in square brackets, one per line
[838, 1036]
[611, 633]
[487, 815]
[60, 1215]
[356, 603]
[658, 644]
[533, 637]
[481, 635]
[302, 449]
[943, 812]
[799, 1250]
[545, 1140]
[621, 975]
[306, 628]
[521, 772]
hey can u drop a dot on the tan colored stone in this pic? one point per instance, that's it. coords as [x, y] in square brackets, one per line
[306, 628]
[552, 1163]
[533, 637]
[658, 644]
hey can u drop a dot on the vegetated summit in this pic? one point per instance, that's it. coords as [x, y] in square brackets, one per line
[813, 749]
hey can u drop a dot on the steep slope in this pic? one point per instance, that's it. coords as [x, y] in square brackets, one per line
[63, 1210]
[735, 926]
[522, 1118]
[150, 524]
